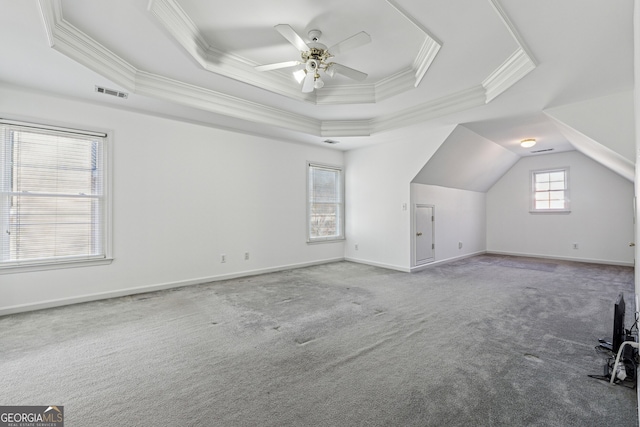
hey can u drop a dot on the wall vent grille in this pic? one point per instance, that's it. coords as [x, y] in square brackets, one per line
[543, 151]
[112, 92]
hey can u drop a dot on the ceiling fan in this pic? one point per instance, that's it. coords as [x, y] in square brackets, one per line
[315, 56]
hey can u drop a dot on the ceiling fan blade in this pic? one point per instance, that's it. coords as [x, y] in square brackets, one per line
[346, 71]
[277, 66]
[309, 80]
[354, 41]
[288, 33]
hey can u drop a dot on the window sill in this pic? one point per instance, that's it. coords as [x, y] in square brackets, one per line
[41, 266]
[333, 240]
[551, 211]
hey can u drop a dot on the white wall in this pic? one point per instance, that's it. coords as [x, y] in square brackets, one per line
[601, 218]
[183, 194]
[636, 157]
[460, 216]
[378, 191]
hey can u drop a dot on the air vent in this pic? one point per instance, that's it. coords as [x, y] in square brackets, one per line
[543, 151]
[330, 141]
[112, 92]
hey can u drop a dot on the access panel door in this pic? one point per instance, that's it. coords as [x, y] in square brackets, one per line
[424, 226]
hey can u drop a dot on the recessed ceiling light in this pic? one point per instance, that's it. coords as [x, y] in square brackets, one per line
[528, 143]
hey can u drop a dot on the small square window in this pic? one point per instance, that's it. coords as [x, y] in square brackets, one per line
[550, 190]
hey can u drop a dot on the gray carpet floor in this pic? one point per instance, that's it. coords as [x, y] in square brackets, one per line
[485, 341]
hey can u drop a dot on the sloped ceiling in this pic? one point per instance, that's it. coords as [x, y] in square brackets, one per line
[467, 161]
[607, 119]
[601, 128]
[598, 152]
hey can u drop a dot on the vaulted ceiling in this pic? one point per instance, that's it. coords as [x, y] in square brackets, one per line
[492, 65]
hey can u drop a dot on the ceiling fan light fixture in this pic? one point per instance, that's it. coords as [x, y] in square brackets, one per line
[314, 35]
[330, 70]
[312, 65]
[299, 75]
[314, 57]
[528, 143]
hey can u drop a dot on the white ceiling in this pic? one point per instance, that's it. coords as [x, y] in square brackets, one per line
[491, 65]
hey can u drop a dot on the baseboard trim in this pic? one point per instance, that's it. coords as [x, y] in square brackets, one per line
[378, 264]
[444, 261]
[585, 260]
[169, 285]
[157, 287]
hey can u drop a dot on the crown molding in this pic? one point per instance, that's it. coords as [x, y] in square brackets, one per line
[70, 41]
[430, 47]
[73, 43]
[453, 103]
[518, 65]
[449, 104]
[512, 29]
[509, 73]
[427, 54]
[395, 84]
[175, 20]
[343, 128]
[208, 100]
[50, 15]
[180, 26]
[346, 94]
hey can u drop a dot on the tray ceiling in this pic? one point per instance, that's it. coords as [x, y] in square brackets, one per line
[459, 61]
[396, 60]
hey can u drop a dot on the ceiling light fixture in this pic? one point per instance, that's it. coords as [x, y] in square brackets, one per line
[299, 75]
[315, 57]
[528, 143]
[318, 83]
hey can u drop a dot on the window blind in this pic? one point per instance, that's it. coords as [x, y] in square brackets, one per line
[52, 194]
[325, 202]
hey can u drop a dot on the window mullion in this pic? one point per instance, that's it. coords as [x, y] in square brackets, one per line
[549, 191]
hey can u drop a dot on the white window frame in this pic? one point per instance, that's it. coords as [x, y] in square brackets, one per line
[340, 220]
[106, 256]
[533, 192]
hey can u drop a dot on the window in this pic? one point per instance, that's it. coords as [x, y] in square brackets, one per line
[550, 190]
[53, 204]
[325, 208]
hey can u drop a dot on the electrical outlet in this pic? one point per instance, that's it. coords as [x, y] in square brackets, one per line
[459, 245]
[223, 258]
[356, 246]
[246, 256]
[575, 246]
